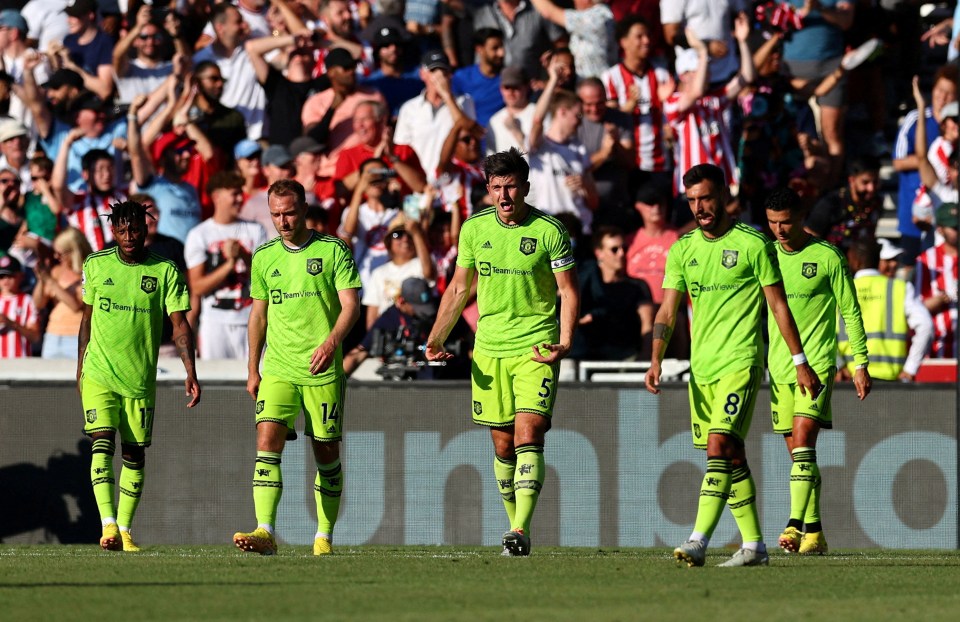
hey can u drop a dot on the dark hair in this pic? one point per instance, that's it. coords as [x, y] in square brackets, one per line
[288, 188]
[591, 81]
[563, 98]
[505, 163]
[954, 158]
[129, 212]
[143, 197]
[218, 14]
[90, 159]
[783, 200]
[947, 72]
[224, 180]
[207, 64]
[43, 162]
[605, 231]
[867, 253]
[316, 212]
[623, 26]
[862, 164]
[705, 172]
[481, 35]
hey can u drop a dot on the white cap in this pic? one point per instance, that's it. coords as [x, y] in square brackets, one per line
[888, 250]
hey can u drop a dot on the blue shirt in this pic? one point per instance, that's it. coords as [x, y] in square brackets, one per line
[484, 91]
[178, 205]
[910, 180]
[817, 40]
[58, 132]
[395, 90]
[90, 56]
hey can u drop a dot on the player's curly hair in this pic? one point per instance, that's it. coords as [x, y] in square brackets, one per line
[128, 212]
[505, 163]
[783, 200]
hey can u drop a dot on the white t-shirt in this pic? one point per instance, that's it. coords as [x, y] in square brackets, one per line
[141, 80]
[498, 138]
[18, 110]
[241, 91]
[550, 164]
[256, 21]
[230, 304]
[425, 129]
[385, 283]
[711, 21]
[46, 21]
[369, 250]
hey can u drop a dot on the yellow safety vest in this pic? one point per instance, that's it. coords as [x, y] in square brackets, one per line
[882, 302]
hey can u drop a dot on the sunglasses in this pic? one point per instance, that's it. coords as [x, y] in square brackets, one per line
[155, 37]
[8, 182]
[396, 235]
[468, 139]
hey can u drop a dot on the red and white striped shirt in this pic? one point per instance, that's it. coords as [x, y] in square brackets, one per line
[91, 216]
[939, 157]
[459, 182]
[648, 114]
[703, 136]
[936, 275]
[20, 309]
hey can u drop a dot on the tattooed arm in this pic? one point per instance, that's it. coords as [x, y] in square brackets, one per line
[183, 340]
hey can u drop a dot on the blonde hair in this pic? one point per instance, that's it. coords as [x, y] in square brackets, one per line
[74, 248]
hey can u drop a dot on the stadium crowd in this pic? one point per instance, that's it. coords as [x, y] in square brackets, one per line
[384, 110]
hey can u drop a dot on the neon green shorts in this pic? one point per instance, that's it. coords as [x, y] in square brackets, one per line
[502, 387]
[280, 401]
[786, 402]
[107, 411]
[725, 406]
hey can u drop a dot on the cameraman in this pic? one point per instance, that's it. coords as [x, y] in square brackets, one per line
[399, 334]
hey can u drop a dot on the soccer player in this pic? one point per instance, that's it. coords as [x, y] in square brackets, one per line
[728, 269]
[818, 282]
[304, 287]
[126, 290]
[523, 258]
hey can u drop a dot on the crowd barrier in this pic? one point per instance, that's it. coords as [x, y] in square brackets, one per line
[621, 469]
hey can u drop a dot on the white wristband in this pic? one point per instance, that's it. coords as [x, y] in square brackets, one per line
[861, 366]
[799, 359]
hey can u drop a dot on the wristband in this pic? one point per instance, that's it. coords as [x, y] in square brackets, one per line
[799, 359]
[861, 366]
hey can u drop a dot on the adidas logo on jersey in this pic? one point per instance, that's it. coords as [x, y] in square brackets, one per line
[693, 262]
[276, 273]
[487, 244]
[109, 281]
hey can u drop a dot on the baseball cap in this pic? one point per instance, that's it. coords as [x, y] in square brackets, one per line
[340, 57]
[169, 140]
[950, 111]
[435, 59]
[687, 60]
[417, 293]
[12, 19]
[246, 148]
[514, 76]
[81, 8]
[386, 36]
[88, 101]
[276, 155]
[11, 128]
[64, 77]
[304, 144]
[9, 265]
[947, 215]
[888, 250]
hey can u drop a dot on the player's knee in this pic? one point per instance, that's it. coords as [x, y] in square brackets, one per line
[133, 455]
[104, 445]
[325, 453]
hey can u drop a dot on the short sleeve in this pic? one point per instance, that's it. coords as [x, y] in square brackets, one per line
[671, 12]
[258, 287]
[465, 256]
[561, 252]
[345, 274]
[766, 266]
[673, 272]
[178, 298]
[194, 254]
[88, 290]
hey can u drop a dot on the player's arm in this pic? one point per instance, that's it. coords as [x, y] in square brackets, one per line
[568, 289]
[845, 293]
[256, 340]
[326, 352]
[183, 341]
[663, 325]
[84, 339]
[451, 307]
[777, 300]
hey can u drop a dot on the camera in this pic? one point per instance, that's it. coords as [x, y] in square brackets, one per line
[383, 173]
[403, 351]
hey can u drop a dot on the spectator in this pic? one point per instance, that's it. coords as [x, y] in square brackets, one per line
[247, 155]
[18, 316]
[425, 121]
[639, 88]
[423, 21]
[559, 164]
[591, 27]
[88, 208]
[14, 140]
[937, 282]
[647, 251]
[392, 77]
[336, 29]
[481, 80]
[937, 190]
[277, 164]
[146, 71]
[222, 125]
[41, 209]
[60, 91]
[59, 282]
[616, 311]
[366, 221]
[460, 177]
[14, 47]
[850, 213]
[254, 15]
[87, 50]
[444, 238]
[316, 218]
[306, 153]
[510, 126]
[527, 35]
[699, 115]
[240, 89]
[218, 253]
[156, 242]
[709, 21]
[890, 310]
[47, 21]
[890, 256]
[607, 135]
[409, 257]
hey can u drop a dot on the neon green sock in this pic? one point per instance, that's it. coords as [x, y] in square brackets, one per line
[812, 515]
[713, 494]
[743, 504]
[267, 487]
[131, 487]
[527, 482]
[327, 490]
[101, 476]
[803, 479]
[504, 470]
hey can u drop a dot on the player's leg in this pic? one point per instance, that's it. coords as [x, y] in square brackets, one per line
[101, 408]
[813, 414]
[324, 407]
[781, 410]
[505, 467]
[136, 433]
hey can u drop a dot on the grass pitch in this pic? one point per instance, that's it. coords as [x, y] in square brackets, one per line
[444, 583]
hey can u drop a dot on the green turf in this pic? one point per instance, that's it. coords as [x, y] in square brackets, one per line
[445, 583]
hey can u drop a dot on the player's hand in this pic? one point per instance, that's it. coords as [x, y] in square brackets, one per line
[193, 390]
[653, 378]
[253, 384]
[807, 380]
[436, 352]
[549, 353]
[862, 382]
[322, 358]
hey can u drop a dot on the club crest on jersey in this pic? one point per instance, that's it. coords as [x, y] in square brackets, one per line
[528, 246]
[148, 284]
[91, 415]
[696, 430]
[809, 270]
[314, 266]
[729, 259]
[477, 408]
[259, 407]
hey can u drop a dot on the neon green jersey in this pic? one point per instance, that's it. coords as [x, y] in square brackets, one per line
[724, 277]
[129, 301]
[818, 283]
[516, 289]
[300, 286]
